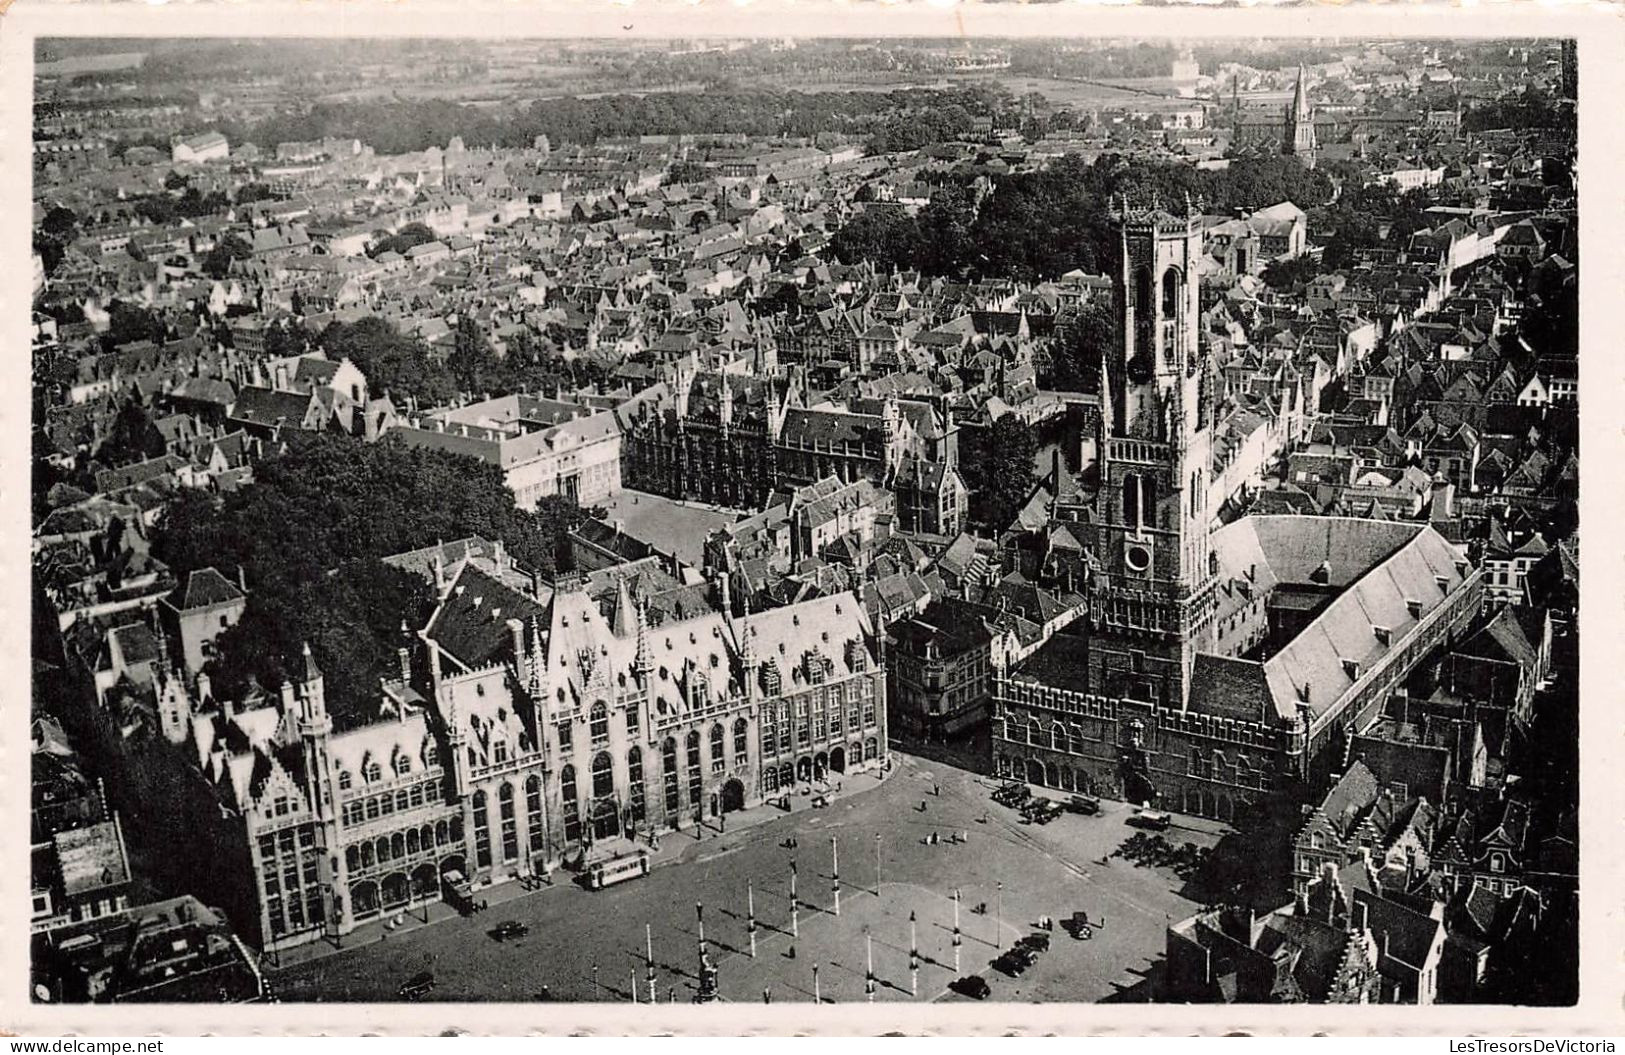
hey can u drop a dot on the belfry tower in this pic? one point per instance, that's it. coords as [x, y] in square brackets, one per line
[1152, 597]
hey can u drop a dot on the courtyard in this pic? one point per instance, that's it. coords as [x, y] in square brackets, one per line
[584, 946]
[666, 524]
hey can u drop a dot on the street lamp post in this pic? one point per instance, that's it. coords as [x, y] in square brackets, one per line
[750, 916]
[649, 961]
[708, 972]
[998, 934]
[634, 973]
[957, 939]
[913, 955]
[596, 992]
[818, 994]
[877, 864]
[869, 973]
[795, 904]
[835, 872]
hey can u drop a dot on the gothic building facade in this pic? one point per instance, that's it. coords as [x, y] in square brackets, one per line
[733, 440]
[529, 728]
[1216, 663]
[1290, 132]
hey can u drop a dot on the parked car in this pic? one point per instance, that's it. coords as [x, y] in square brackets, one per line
[1012, 794]
[509, 928]
[973, 986]
[1153, 819]
[1037, 942]
[1082, 804]
[1012, 963]
[417, 987]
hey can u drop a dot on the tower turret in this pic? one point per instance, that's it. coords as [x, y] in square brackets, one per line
[1300, 124]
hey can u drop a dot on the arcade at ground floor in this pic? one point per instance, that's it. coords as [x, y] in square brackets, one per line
[585, 945]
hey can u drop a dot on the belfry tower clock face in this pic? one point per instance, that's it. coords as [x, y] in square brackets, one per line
[1151, 535]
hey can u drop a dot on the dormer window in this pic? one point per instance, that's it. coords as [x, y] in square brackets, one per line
[1382, 635]
[345, 780]
[403, 765]
[371, 771]
[1414, 607]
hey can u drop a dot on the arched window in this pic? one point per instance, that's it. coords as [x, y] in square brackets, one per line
[1057, 736]
[695, 776]
[741, 746]
[381, 849]
[366, 855]
[482, 831]
[403, 764]
[572, 810]
[397, 845]
[668, 760]
[345, 780]
[534, 822]
[371, 771]
[600, 723]
[634, 781]
[510, 823]
[1172, 284]
[719, 761]
[352, 858]
[412, 844]
[603, 777]
[1131, 499]
[431, 757]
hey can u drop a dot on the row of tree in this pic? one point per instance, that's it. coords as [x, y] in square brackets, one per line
[396, 127]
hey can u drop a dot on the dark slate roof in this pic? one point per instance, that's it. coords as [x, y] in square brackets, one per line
[203, 588]
[472, 622]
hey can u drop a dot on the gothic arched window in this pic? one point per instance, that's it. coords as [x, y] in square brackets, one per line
[603, 777]
[1172, 281]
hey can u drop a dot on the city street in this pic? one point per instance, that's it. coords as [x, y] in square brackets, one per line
[584, 945]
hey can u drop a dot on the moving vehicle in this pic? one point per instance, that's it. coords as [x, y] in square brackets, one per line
[458, 890]
[1082, 804]
[973, 986]
[509, 928]
[417, 987]
[618, 870]
[1153, 819]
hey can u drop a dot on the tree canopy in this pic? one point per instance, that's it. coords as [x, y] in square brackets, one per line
[1039, 225]
[1004, 472]
[308, 535]
[392, 361]
[409, 236]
